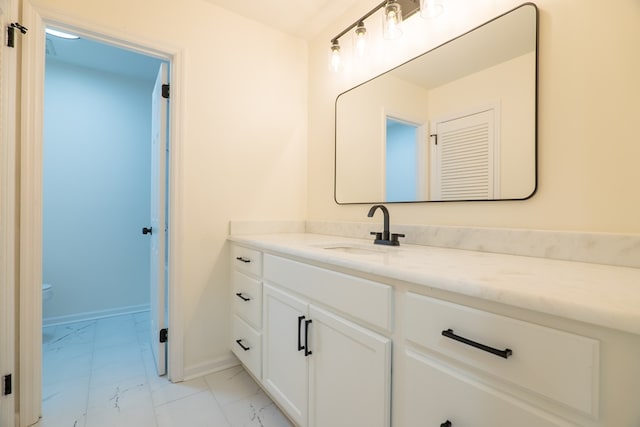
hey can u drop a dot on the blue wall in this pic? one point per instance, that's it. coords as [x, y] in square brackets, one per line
[402, 165]
[96, 191]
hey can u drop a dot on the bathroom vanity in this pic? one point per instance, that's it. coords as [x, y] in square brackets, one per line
[341, 332]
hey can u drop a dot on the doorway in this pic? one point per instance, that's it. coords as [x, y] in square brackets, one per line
[96, 179]
[103, 181]
[32, 96]
[404, 154]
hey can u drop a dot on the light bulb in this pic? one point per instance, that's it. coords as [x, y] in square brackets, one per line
[335, 56]
[431, 8]
[392, 18]
[361, 39]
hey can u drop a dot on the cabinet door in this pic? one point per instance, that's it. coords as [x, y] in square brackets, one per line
[285, 371]
[437, 395]
[350, 373]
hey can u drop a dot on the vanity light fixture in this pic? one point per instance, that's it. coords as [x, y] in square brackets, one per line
[393, 12]
[61, 34]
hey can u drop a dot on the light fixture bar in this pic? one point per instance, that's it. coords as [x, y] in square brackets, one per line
[355, 24]
[409, 7]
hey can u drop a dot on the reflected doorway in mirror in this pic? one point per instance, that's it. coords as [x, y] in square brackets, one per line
[405, 161]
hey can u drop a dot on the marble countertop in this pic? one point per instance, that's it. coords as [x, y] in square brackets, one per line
[599, 294]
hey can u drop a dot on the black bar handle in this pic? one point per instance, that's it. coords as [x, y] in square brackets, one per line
[307, 352]
[300, 346]
[242, 259]
[446, 424]
[502, 353]
[244, 347]
[147, 230]
[242, 297]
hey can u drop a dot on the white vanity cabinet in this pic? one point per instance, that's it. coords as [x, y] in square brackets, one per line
[246, 303]
[323, 339]
[323, 369]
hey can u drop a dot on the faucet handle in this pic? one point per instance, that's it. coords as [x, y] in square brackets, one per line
[378, 234]
[394, 237]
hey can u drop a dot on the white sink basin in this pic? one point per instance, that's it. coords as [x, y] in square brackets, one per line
[356, 249]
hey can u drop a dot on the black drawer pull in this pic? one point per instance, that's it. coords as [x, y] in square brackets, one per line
[242, 297]
[300, 346]
[502, 353]
[446, 424]
[244, 347]
[307, 352]
[242, 259]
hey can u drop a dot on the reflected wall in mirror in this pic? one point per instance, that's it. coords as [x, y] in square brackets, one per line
[456, 123]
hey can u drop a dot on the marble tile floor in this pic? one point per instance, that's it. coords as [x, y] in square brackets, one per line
[101, 374]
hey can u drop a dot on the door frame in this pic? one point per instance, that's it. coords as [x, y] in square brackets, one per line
[420, 157]
[30, 188]
[8, 210]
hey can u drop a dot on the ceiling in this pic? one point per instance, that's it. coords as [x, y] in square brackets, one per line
[89, 53]
[302, 18]
[493, 43]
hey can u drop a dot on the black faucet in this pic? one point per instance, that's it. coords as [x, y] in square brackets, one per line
[384, 238]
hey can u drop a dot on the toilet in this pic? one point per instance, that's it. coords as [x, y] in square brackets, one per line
[47, 291]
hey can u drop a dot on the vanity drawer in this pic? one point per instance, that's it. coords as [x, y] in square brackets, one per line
[556, 364]
[247, 260]
[435, 394]
[247, 345]
[363, 299]
[247, 298]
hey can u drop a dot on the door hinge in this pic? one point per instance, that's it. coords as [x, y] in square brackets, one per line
[11, 33]
[7, 385]
[165, 91]
[436, 137]
[164, 335]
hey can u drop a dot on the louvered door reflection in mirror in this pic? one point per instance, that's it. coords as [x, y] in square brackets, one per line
[456, 123]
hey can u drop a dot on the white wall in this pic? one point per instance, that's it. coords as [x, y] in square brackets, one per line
[588, 109]
[244, 146]
[97, 142]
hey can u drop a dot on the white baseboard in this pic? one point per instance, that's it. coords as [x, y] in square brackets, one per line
[210, 366]
[93, 315]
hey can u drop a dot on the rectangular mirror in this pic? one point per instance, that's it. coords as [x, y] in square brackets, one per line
[456, 123]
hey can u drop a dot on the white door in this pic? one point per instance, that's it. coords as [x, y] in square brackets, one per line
[464, 157]
[284, 361]
[349, 374]
[159, 108]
